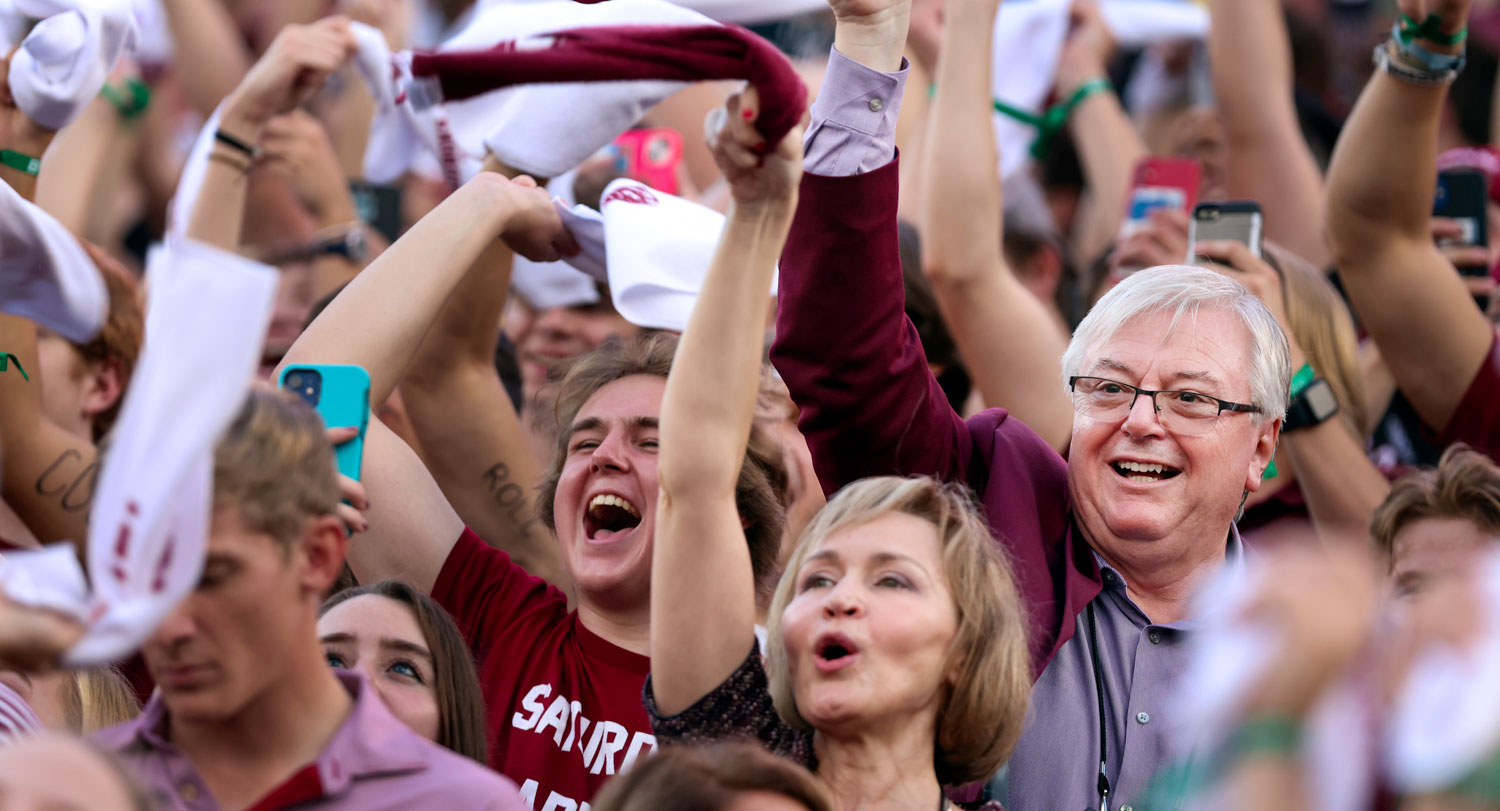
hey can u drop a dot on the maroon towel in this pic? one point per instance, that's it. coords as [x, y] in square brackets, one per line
[629, 53]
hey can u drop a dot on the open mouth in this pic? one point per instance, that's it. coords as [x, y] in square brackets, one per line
[608, 515]
[1144, 472]
[834, 650]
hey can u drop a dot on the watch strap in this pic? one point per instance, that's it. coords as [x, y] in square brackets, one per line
[1300, 412]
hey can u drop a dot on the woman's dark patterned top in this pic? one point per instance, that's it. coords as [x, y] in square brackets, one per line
[741, 709]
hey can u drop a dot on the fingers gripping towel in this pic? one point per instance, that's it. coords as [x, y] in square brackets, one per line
[45, 275]
[61, 65]
[148, 530]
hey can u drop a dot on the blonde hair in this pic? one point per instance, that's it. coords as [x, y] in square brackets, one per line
[97, 698]
[984, 708]
[275, 467]
[1319, 320]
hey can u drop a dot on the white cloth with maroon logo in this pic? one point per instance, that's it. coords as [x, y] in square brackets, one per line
[207, 317]
[653, 249]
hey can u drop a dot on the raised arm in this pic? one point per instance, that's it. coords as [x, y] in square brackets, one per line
[1380, 189]
[1250, 57]
[211, 56]
[700, 558]
[1009, 341]
[475, 445]
[850, 358]
[1108, 144]
[378, 322]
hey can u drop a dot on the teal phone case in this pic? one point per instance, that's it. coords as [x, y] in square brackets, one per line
[342, 399]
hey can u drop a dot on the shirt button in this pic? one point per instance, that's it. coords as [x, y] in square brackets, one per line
[1143, 717]
[1126, 808]
[876, 105]
[188, 791]
[1155, 637]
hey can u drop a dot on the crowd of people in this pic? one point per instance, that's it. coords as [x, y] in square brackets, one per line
[552, 405]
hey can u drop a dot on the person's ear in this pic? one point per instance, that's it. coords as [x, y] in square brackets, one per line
[324, 545]
[106, 384]
[1265, 450]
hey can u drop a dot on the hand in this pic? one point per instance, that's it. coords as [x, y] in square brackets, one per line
[1162, 241]
[392, 17]
[755, 180]
[1445, 232]
[297, 146]
[289, 72]
[1234, 259]
[33, 639]
[352, 492]
[17, 130]
[1087, 49]
[535, 230]
[1323, 603]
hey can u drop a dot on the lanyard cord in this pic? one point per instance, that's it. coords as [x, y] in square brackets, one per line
[1099, 692]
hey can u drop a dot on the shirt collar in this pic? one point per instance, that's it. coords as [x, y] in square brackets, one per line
[371, 741]
[1234, 560]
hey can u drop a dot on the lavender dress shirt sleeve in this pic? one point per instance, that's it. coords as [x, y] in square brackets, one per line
[853, 128]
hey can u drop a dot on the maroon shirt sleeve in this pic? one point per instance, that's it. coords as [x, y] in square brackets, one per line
[850, 358]
[1477, 420]
[490, 596]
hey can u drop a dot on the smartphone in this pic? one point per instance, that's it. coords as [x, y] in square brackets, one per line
[1161, 183]
[341, 396]
[1238, 220]
[380, 206]
[1463, 195]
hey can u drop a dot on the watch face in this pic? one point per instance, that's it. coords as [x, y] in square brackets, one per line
[1320, 400]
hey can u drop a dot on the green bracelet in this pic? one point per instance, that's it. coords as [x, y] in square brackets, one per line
[132, 101]
[1482, 783]
[1050, 123]
[6, 356]
[1429, 29]
[1269, 735]
[21, 163]
[1301, 380]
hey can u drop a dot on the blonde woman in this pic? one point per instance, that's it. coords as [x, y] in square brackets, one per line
[897, 664]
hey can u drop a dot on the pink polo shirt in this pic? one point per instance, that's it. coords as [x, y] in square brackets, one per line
[373, 762]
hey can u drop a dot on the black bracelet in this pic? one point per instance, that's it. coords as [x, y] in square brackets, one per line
[235, 143]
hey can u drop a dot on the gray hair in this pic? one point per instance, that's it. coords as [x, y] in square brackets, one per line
[1182, 291]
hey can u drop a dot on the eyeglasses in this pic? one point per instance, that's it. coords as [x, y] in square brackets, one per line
[1182, 412]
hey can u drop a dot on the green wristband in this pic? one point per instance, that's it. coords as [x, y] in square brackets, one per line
[20, 162]
[1050, 123]
[1430, 29]
[6, 356]
[131, 100]
[1301, 380]
[1269, 735]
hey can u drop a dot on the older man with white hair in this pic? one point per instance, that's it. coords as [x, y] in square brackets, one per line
[1178, 379]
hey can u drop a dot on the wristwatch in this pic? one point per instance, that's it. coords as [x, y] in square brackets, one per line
[1312, 406]
[353, 245]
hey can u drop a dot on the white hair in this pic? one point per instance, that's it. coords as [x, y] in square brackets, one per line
[1183, 291]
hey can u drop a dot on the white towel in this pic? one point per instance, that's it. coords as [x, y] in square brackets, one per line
[17, 719]
[1029, 37]
[45, 275]
[543, 130]
[148, 529]
[61, 65]
[739, 12]
[652, 248]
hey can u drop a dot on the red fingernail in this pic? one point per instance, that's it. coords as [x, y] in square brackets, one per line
[748, 113]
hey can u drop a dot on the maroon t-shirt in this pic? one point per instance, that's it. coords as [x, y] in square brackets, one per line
[1477, 420]
[564, 705]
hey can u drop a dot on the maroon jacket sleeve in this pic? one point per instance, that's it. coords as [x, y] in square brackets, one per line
[850, 357]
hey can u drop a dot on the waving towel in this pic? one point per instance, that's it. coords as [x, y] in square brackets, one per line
[45, 275]
[148, 530]
[61, 65]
